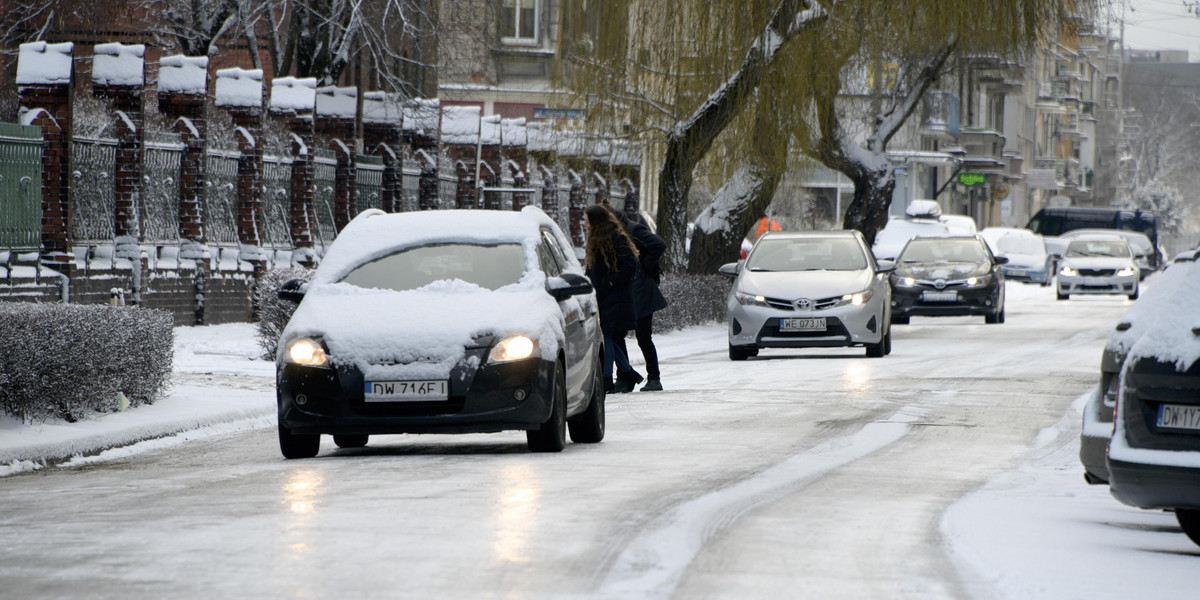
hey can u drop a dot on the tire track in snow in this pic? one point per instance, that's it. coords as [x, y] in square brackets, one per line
[653, 563]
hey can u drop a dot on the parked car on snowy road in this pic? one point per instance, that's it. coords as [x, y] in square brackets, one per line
[947, 276]
[1098, 264]
[442, 322]
[809, 289]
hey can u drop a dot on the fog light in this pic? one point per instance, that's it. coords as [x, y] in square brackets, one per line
[301, 399]
[519, 394]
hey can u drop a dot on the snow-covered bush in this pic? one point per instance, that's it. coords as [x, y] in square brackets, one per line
[69, 361]
[691, 300]
[274, 313]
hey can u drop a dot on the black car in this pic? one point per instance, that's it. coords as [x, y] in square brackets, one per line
[442, 322]
[947, 276]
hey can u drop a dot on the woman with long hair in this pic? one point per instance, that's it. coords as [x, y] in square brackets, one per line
[612, 263]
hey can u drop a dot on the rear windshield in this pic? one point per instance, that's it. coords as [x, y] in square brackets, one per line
[1082, 249]
[1016, 243]
[491, 267]
[814, 254]
[944, 250]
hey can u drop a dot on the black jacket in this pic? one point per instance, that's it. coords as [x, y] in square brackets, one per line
[647, 297]
[614, 289]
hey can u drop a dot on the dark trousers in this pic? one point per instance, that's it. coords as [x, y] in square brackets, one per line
[643, 332]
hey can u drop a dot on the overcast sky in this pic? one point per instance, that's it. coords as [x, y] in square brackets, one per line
[1163, 25]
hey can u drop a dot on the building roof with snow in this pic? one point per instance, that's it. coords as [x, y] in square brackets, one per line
[239, 87]
[181, 74]
[40, 63]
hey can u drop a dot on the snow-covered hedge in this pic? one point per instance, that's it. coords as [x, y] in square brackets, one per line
[273, 313]
[691, 300]
[69, 361]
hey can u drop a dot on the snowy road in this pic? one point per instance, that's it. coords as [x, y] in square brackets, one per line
[815, 473]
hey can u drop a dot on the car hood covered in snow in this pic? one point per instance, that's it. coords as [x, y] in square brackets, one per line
[804, 284]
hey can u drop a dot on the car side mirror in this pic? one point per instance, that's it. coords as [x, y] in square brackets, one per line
[567, 285]
[293, 290]
[1002, 260]
[885, 266]
[729, 269]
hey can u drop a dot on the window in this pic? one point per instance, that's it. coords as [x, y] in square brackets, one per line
[518, 21]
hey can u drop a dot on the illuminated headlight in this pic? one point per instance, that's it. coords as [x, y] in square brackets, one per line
[975, 281]
[857, 299]
[517, 347]
[1126, 272]
[750, 299]
[1068, 271]
[904, 281]
[307, 352]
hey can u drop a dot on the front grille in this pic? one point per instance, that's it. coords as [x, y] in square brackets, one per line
[820, 304]
[1097, 272]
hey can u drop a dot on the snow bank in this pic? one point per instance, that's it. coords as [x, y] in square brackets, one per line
[292, 94]
[239, 87]
[183, 74]
[44, 64]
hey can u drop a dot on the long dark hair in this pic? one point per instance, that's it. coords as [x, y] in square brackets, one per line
[603, 227]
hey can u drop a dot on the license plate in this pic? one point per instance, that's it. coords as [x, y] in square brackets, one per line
[405, 391]
[950, 296]
[802, 324]
[1176, 416]
[1016, 272]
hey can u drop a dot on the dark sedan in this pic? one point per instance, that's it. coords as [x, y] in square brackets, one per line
[443, 322]
[947, 276]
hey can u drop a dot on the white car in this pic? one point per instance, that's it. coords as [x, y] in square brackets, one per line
[960, 224]
[809, 289]
[1098, 264]
[891, 239]
[1028, 259]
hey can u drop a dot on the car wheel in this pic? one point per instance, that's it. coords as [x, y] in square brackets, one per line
[737, 353]
[882, 348]
[1189, 522]
[1134, 295]
[996, 317]
[350, 441]
[899, 320]
[552, 435]
[1062, 296]
[298, 445]
[588, 426]
[887, 343]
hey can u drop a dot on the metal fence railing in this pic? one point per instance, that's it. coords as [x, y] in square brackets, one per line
[20, 186]
[277, 201]
[369, 182]
[325, 182]
[220, 206]
[93, 197]
[160, 194]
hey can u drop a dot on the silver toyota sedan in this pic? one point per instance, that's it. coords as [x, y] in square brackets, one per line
[809, 289]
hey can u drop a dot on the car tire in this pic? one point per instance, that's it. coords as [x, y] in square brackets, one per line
[996, 317]
[351, 441]
[1062, 296]
[1134, 295]
[881, 349]
[1189, 522]
[298, 445]
[739, 353]
[588, 427]
[552, 435]
[899, 320]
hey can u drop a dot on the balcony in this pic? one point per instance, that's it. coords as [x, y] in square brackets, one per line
[984, 150]
[940, 116]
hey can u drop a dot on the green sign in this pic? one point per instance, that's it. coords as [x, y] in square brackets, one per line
[970, 179]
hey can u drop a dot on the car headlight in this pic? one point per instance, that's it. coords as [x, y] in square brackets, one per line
[903, 281]
[1069, 271]
[978, 281]
[1126, 272]
[857, 299]
[750, 299]
[307, 352]
[517, 347]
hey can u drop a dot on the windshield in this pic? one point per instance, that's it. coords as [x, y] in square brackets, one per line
[807, 254]
[1017, 243]
[944, 250]
[491, 267]
[1097, 248]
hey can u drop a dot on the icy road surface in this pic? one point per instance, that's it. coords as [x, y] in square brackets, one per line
[806, 473]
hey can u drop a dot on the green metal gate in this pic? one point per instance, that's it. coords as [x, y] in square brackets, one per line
[20, 186]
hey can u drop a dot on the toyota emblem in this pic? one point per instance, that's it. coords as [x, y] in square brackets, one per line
[940, 284]
[803, 304]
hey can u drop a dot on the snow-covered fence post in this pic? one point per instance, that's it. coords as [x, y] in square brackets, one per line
[44, 84]
[382, 136]
[514, 139]
[421, 124]
[490, 162]
[118, 74]
[294, 101]
[337, 108]
[240, 92]
[460, 140]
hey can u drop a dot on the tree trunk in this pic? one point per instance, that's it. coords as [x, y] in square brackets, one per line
[741, 205]
[868, 211]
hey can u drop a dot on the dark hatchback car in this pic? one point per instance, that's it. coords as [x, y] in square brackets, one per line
[442, 322]
[1154, 454]
[948, 276]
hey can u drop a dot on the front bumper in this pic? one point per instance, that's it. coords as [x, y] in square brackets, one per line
[1086, 284]
[1026, 275]
[848, 325]
[481, 400]
[916, 300]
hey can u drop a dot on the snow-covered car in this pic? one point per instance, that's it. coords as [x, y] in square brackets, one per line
[809, 289]
[456, 321]
[1098, 264]
[1097, 428]
[1154, 454]
[1145, 256]
[1028, 260]
[960, 224]
[946, 276]
[895, 234]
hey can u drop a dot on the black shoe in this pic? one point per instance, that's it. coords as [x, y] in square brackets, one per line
[608, 386]
[631, 376]
[652, 385]
[623, 386]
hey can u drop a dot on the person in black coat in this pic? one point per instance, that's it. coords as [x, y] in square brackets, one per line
[612, 264]
[647, 299]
